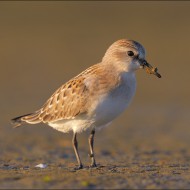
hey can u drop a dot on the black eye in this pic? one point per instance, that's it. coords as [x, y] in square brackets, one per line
[130, 53]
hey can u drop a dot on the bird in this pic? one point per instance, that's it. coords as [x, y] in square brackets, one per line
[95, 97]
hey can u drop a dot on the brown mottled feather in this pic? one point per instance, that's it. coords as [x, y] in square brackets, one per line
[71, 99]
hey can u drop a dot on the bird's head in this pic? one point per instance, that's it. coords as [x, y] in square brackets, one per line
[129, 56]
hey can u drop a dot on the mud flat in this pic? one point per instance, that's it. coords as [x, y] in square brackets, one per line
[129, 158]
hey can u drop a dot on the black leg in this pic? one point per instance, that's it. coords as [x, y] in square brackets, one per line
[75, 146]
[91, 145]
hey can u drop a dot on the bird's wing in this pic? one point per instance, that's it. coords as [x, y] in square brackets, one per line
[73, 98]
[66, 103]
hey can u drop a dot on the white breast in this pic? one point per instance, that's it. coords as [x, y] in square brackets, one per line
[113, 104]
[107, 108]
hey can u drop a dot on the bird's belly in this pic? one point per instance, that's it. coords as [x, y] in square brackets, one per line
[112, 106]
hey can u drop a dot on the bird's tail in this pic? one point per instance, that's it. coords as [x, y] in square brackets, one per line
[31, 118]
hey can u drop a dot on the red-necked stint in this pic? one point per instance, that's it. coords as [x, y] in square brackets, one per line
[95, 97]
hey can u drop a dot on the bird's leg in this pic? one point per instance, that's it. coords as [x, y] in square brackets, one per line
[91, 145]
[75, 146]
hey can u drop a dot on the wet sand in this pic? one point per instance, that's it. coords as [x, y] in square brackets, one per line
[137, 156]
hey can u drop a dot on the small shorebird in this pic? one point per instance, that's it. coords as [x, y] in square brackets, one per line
[96, 96]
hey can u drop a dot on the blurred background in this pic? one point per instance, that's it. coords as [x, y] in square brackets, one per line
[44, 44]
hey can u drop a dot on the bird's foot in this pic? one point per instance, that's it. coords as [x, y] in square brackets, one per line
[79, 167]
[93, 165]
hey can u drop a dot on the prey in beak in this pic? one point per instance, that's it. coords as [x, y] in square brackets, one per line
[149, 69]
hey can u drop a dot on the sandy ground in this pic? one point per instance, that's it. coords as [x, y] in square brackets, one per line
[142, 156]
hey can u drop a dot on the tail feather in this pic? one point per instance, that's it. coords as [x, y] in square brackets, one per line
[17, 121]
[31, 118]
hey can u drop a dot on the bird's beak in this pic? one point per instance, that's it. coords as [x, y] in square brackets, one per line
[149, 69]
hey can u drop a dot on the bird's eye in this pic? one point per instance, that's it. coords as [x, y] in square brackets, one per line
[130, 53]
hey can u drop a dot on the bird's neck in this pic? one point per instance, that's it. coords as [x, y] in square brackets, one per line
[119, 67]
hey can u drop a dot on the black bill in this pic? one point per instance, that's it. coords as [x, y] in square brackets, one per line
[149, 69]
